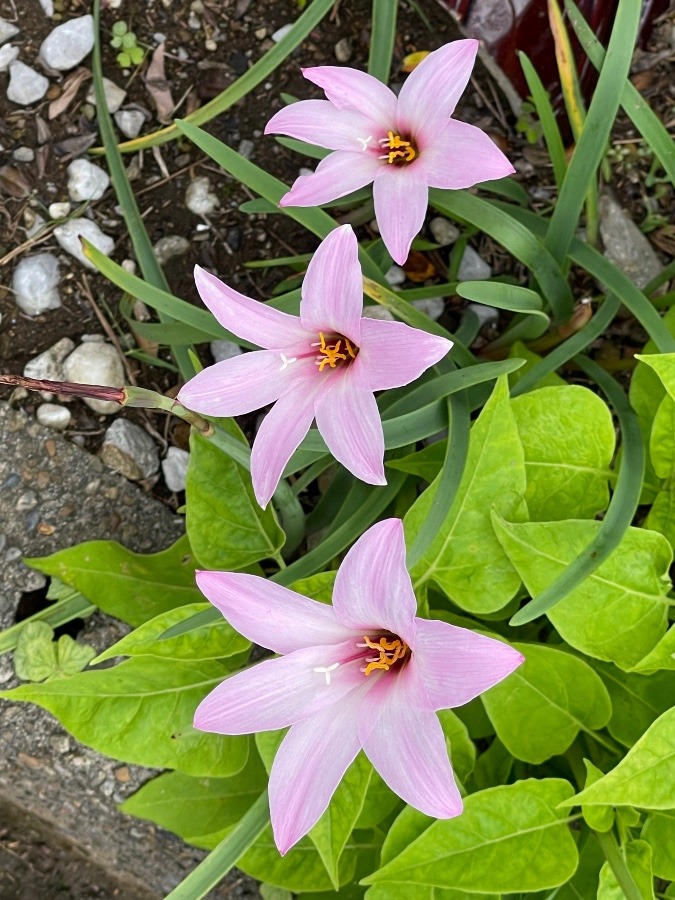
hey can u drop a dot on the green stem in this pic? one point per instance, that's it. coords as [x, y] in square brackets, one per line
[617, 864]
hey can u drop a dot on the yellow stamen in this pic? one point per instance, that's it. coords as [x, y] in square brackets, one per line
[331, 352]
[399, 150]
[390, 653]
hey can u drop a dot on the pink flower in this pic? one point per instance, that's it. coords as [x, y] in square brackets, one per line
[364, 673]
[324, 365]
[404, 144]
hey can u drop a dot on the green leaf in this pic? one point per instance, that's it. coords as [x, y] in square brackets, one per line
[644, 777]
[493, 767]
[461, 748]
[659, 831]
[133, 587]
[638, 857]
[141, 712]
[636, 701]
[518, 350]
[210, 641]
[465, 559]
[378, 803]
[540, 708]
[584, 883]
[35, 654]
[424, 463]
[599, 818]
[383, 35]
[617, 613]
[568, 440]
[71, 656]
[509, 838]
[661, 517]
[200, 810]
[227, 527]
[502, 296]
[318, 587]
[662, 656]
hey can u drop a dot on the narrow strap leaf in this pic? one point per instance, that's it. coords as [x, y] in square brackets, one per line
[382, 38]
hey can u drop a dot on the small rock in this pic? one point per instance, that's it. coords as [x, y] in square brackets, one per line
[430, 306]
[27, 500]
[442, 231]
[395, 275]
[48, 7]
[68, 235]
[68, 44]
[35, 284]
[129, 122]
[246, 148]
[378, 312]
[483, 313]
[305, 170]
[59, 210]
[343, 50]
[49, 365]
[7, 31]
[130, 450]
[96, 364]
[24, 154]
[174, 468]
[114, 95]
[34, 222]
[25, 86]
[223, 349]
[472, 267]
[8, 54]
[51, 415]
[260, 33]
[198, 197]
[169, 246]
[625, 245]
[281, 32]
[86, 181]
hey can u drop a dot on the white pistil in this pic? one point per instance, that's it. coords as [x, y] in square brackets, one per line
[326, 670]
[287, 361]
[365, 141]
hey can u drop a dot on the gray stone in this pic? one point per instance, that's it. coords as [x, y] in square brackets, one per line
[430, 306]
[378, 312]
[49, 364]
[484, 314]
[443, 232]
[114, 95]
[8, 54]
[625, 245]
[129, 122]
[47, 7]
[472, 267]
[223, 349]
[59, 210]
[198, 197]
[68, 44]
[7, 31]
[24, 154]
[174, 468]
[281, 32]
[246, 148]
[86, 181]
[25, 86]
[68, 235]
[343, 50]
[51, 415]
[129, 450]
[96, 364]
[35, 284]
[395, 276]
[169, 246]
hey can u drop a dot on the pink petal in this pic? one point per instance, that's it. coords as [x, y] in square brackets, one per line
[349, 422]
[463, 156]
[392, 354]
[373, 591]
[279, 435]
[401, 195]
[309, 765]
[320, 122]
[353, 89]
[238, 385]
[248, 319]
[269, 614]
[336, 176]
[402, 737]
[279, 692]
[332, 292]
[430, 94]
[457, 665]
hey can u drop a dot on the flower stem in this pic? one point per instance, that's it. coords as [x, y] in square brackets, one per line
[617, 864]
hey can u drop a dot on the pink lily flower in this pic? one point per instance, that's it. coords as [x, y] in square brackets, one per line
[324, 364]
[404, 144]
[363, 674]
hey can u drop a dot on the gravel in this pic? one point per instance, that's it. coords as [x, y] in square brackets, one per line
[35, 284]
[25, 86]
[68, 235]
[96, 363]
[68, 44]
[86, 181]
[129, 450]
[472, 267]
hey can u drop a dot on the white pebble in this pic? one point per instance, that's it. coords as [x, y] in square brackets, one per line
[129, 122]
[378, 312]
[114, 95]
[129, 449]
[223, 349]
[395, 275]
[246, 148]
[48, 7]
[7, 31]
[281, 32]
[96, 364]
[169, 246]
[24, 154]
[86, 181]
[49, 364]
[483, 313]
[25, 86]
[35, 284]
[59, 210]
[174, 468]
[198, 197]
[68, 44]
[430, 306]
[8, 54]
[51, 415]
[443, 232]
[68, 235]
[472, 267]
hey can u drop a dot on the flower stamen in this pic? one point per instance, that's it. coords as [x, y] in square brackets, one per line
[390, 652]
[331, 354]
[326, 670]
[400, 150]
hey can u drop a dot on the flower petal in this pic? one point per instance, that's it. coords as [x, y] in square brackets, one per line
[372, 589]
[269, 614]
[249, 319]
[349, 422]
[430, 94]
[336, 176]
[457, 665]
[332, 292]
[463, 157]
[279, 435]
[401, 195]
[320, 122]
[238, 385]
[402, 737]
[309, 765]
[352, 89]
[392, 354]
[278, 692]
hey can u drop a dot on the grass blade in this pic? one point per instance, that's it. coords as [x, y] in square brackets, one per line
[65, 610]
[542, 103]
[384, 14]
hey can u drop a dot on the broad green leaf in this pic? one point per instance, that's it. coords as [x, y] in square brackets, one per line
[493, 767]
[659, 832]
[661, 516]
[269, 892]
[599, 818]
[662, 656]
[645, 393]
[200, 810]
[664, 366]
[541, 707]
[35, 654]
[638, 858]
[568, 440]
[619, 612]
[141, 712]
[584, 883]
[509, 838]
[226, 526]
[391, 891]
[425, 463]
[318, 587]
[215, 640]
[133, 587]
[636, 700]
[644, 777]
[461, 748]
[519, 350]
[378, 803]
[466, 560]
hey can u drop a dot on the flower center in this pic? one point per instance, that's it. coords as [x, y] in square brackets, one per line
[334, 351]
[390, 650]
[399, 151]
